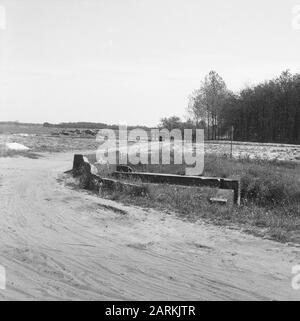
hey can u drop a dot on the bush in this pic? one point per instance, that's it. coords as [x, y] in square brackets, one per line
[264, 190]
[263, 183]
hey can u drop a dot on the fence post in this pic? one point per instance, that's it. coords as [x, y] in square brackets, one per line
[231, 139]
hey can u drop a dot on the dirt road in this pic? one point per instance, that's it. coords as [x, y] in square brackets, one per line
[58, 243]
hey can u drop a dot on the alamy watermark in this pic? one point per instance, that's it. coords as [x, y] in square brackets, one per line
[155, 146]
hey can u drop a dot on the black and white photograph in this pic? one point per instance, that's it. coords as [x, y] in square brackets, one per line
[149, 152]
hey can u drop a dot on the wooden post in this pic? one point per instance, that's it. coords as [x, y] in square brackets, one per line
[78, 161]
[231, 139]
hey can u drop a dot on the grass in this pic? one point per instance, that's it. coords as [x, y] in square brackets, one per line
[270, 197]
[39, 139]
[44, 143]
[270, 189]
[262, 182]
[281, 222]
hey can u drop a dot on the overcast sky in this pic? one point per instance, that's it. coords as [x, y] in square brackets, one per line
[134, 61]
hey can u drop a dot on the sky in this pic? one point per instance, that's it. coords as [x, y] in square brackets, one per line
[135, 61]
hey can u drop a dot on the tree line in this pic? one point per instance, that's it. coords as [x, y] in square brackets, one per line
[90, 125]
[267, 112]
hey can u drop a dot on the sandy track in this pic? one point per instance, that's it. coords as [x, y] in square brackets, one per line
[58, 243]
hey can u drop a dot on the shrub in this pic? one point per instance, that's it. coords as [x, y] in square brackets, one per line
[266, 187]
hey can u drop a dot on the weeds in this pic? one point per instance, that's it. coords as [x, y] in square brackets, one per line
[270, 197]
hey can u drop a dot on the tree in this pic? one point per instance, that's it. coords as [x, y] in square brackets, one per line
[206, 103]
[267, 112]
[170, 123]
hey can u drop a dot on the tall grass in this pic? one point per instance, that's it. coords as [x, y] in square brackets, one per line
[263, 182]
[270, 196]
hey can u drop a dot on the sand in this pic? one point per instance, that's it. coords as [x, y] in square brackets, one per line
[59, 243]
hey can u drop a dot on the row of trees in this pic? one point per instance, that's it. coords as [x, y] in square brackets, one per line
[90, 125]
[268, 112]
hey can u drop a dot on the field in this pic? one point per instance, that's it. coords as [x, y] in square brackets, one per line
[270, 193]
[170, 244]
[43, 139]
[269, 173]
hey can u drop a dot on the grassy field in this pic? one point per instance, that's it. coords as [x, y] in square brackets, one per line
[270, 196]
[270, 187]
[43, 139]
